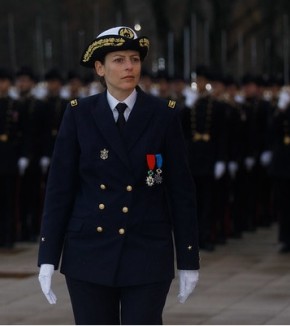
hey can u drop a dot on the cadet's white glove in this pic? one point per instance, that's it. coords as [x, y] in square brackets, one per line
[219, 169]
[44, 277]
[23, 163]
[266, 158]
[284, 100]
[233, 168]
[187, 283]
[249, 163]
[44, 164]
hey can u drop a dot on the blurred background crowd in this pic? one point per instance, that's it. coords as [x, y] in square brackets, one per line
[237, 134]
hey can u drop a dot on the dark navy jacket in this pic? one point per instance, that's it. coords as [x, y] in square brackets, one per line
[110, 226]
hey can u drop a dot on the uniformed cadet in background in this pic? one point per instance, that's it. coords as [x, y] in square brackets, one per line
[146, 81]
[163, 85]
[74, 85]
[31, 124]
[235, 119]
[182, 93]
[204, 128]
[256, 111]
[221, 186]
[265, 109]
[119, 188]
[279, 168]
[9, 152]
[54, 107]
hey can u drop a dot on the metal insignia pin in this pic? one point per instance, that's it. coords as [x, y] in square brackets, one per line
[104, 154]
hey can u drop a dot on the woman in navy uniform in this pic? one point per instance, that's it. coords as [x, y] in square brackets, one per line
[119, 188]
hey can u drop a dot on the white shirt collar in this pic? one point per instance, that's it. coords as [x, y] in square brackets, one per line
[130, 100]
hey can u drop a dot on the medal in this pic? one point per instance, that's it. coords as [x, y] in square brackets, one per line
[151, 164]
[104, 154]
[159, 161]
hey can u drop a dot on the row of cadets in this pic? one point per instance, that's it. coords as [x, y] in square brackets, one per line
[29, 124]
[10, 145]
[253, 200]
[243, 196]
[171, 88]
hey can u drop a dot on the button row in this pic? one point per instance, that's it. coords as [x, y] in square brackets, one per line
[100, 229]
[128, 188]
[124, 209]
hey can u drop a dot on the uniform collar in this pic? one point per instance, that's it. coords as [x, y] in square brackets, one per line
[130, 100]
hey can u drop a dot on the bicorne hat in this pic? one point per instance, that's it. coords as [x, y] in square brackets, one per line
[114, 39]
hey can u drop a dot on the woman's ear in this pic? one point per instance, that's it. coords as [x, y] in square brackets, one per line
[99, 68]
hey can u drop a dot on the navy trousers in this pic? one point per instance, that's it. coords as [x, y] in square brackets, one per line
[95, 304]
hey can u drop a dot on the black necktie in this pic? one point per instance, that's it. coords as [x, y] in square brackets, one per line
[121, 121]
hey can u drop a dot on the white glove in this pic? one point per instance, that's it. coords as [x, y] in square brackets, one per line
[249, 163]
[44, 164]
[23, 163]
[187, 283]
[233, 168]
[44, 277]
[284, 100]
[219, 169]
[266, 158]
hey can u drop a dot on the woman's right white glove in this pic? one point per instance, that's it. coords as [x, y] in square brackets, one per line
[44, 277]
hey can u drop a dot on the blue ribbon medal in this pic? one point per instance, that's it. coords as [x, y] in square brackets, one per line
[159, 162]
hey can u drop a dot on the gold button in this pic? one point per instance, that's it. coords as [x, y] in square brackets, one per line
[101, 206]
[125, 209]
[129, 188]
[99, 229]
[102, 186]
[121, 231]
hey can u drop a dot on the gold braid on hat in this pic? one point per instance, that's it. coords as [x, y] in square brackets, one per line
[112, 41]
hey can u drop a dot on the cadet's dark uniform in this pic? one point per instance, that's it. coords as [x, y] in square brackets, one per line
[32, 132]
[237, 131]
[280, 171]
[204, 127]
[54, 107]
[115, 227]
[9, 153]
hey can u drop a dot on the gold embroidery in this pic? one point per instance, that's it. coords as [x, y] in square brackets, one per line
[201, 137]
[171, 104]
[126, 32]
[144, 42]
[111, 41]
[73, 102]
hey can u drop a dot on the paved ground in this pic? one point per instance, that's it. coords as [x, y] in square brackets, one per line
[244, 282]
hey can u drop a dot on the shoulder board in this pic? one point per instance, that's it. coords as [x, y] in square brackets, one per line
[73, 103]
[171, 104]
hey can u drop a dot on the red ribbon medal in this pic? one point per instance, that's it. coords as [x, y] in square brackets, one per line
[151, 165]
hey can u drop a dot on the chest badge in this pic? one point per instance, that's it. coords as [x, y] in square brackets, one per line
[104, 154]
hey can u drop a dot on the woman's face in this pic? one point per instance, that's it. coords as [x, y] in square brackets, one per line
[121, 70]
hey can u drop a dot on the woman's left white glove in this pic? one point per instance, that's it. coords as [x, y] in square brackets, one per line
[44, 277]
[187, 283]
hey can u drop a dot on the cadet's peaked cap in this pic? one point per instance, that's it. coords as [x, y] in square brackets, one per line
[114, 39]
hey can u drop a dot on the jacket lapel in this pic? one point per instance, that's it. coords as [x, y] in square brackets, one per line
[104, 119]
[138, 120]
